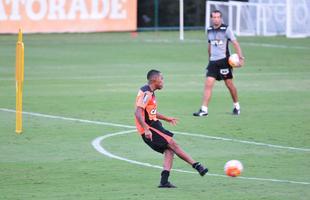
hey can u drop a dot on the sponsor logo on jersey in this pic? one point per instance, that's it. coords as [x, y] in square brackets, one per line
[217, 42]
[153, 111]
[224, 71]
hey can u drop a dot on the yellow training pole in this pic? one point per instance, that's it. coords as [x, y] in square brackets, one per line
[19, 81]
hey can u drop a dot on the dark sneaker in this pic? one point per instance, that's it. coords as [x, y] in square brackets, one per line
[236, 111]
[201, 169]
[200, 113]
[167, 185]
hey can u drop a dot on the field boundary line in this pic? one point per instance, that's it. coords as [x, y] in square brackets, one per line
[193, 41]
[242, 141]
[70, 119]
[184, 133]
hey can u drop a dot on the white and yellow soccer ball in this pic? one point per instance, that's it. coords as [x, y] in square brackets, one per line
[233, 168]
[234, 60]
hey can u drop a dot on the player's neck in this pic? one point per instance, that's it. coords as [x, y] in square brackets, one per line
[152, 87]
[217, 26]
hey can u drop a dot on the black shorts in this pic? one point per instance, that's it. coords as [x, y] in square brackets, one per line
[160, 137]
[219, 69]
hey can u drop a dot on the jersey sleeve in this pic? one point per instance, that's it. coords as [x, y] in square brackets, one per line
[143, 99]
[207, 35]
[230, 35]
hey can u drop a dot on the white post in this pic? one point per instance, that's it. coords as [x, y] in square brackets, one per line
[238, 18]
[258, 19]
[288, 19]
[264, 20]
[207, 15]
[182, 20]
[230, 16]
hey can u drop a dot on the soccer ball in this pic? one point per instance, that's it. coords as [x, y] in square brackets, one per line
[233, 60]
[233, 168]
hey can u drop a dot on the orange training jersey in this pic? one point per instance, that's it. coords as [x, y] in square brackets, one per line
[146, 99]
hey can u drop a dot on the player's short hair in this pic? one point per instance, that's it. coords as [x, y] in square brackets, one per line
[216, 11]
[152, 73]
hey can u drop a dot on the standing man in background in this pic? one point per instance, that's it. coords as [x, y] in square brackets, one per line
[219, 36]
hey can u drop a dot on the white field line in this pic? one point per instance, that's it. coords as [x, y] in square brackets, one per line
[281, 46]
[182, 133]
[242, 141]
[35, 78]
[265, 45]
[69, 119]
[97, 145]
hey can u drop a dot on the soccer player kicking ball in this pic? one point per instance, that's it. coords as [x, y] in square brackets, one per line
[154, 134]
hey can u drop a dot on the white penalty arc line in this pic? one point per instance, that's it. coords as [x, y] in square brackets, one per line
[182, 133]
[97, 145]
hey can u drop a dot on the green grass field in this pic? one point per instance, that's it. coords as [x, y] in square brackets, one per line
[96, 77]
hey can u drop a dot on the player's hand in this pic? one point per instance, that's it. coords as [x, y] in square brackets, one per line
[172, 121]
[241, 61]
[148, 134]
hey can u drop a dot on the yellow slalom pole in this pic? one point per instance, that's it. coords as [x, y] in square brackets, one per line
[19, 76]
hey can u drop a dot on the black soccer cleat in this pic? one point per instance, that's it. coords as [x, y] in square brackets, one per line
[200, 168]
[200, 113]
[236, 111]
[166, 185]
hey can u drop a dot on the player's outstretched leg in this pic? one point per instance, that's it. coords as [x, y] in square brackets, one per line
[184, 156]
[200, 168]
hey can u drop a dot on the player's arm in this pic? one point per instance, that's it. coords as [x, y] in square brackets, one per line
[238, 51]
[209, 50]
[170, 120]
[140, 118]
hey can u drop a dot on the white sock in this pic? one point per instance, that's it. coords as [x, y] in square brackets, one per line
[237, 105]
[204, 108]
